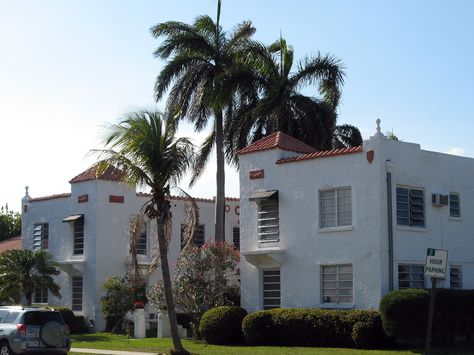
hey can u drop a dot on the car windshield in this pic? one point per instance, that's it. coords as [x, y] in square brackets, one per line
[42, 317]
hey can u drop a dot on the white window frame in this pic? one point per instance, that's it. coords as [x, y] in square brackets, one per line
[236, 237]
[455, 270]
[40, 295]
[411, 275]
[335, 209]
[77, 304]
[199, 237]
[267, 273]
[410, 209]
[454, 205]
[40, 236]
[268, 225]
[78, 236]
[340, 280]
[142, 241]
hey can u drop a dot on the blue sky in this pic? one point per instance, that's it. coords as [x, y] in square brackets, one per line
[69, 67]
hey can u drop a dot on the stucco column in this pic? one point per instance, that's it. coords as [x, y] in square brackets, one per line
[139, 328]
[164, 330]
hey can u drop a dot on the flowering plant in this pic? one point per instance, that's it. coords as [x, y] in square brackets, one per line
[138, 305]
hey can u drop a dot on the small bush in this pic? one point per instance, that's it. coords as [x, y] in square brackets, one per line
[307, 327]
[67, 314]
[258, 328]
[222, 325]
[405, 315]
[80, 325]
[369, 334]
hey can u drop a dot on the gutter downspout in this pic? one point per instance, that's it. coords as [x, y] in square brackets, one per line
[388, 168]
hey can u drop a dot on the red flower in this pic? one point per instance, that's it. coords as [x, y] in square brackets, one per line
[138, 305]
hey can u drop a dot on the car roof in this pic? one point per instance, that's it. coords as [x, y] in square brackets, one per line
[25, 308]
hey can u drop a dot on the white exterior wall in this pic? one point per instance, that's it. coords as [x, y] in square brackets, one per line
[105, 237]
[434, 173]
[304, 247]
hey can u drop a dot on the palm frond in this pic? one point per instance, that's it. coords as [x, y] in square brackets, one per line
[202, 157]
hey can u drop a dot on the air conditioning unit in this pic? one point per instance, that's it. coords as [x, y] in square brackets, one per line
[439, 200]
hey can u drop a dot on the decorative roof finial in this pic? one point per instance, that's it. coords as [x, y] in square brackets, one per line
[378, 125]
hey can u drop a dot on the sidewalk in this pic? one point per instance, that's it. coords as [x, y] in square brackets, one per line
[107, 352]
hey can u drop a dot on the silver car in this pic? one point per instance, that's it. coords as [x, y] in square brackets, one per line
[27, 330]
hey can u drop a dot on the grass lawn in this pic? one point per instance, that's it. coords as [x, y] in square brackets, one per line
[154, 345]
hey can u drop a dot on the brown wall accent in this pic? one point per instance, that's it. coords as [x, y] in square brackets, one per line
[116, 199]
[256, 174]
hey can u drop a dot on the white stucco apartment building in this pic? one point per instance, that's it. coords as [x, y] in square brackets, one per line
[86, 233]
[340, 228]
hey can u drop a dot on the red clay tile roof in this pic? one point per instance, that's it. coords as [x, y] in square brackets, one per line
[11, 243]
[110, 174]
[321, 154]
[198, 199]
[51, 197]
[278, 140]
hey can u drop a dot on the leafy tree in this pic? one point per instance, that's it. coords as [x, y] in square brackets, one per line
[143, 145]
[10, 223]
[276, 102]
[201, 71]
[23, 270]
[116, 302]
[202, 277]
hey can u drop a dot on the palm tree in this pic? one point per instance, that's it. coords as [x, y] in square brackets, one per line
[143, 145]
[276, 103]
[201, 69]
[21, 271]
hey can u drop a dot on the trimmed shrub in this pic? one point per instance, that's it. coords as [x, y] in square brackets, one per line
[307, 327]
[67, 314]
[369, 334]
[405, 315]
[75, 323]
[80, 325]
[258, 328]
[222, 325]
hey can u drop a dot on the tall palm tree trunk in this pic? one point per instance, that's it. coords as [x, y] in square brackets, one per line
[220, 178]
[161, 219]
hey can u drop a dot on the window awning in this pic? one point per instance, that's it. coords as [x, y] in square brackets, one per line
[264, 195]
[73, 217]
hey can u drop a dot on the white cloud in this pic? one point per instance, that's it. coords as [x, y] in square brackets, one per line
[455, 151]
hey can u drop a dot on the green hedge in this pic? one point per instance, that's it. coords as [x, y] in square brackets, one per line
[313, 327]
[222, 325]
[405, 315]
[75, 323]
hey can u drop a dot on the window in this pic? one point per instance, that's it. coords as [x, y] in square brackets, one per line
[236, 237]
[198, 238]
[455, 277]
[11, 317]
[79, 236]
[410, 207]
[271, 289]
[411, 276]
[77, 293]
[335, 207]
[268, 221]
[142, 241]
[337, 283]
[40, 294]
[454, 205]
[40, 236]
[3, 315]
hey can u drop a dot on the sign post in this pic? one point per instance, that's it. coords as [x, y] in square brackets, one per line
[436, 265]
